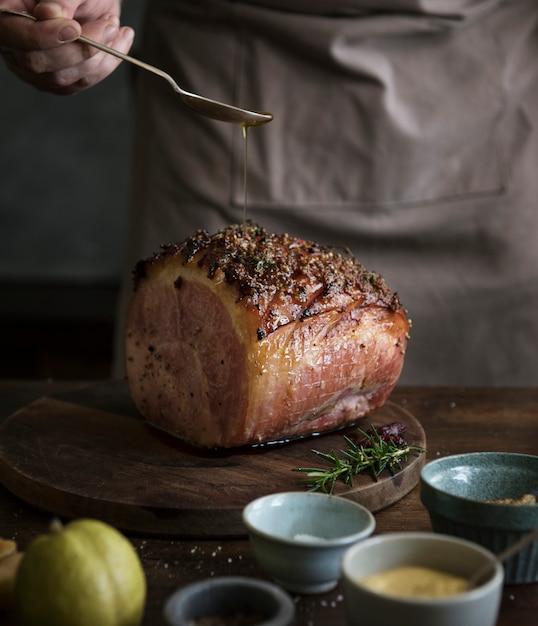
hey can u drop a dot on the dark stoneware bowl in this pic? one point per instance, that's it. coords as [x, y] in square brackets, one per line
[456, 490]
[233, 599]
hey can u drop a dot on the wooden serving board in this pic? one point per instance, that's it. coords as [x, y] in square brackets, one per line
[90, 454]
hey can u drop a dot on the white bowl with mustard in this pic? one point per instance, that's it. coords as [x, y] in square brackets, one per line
[420, 579]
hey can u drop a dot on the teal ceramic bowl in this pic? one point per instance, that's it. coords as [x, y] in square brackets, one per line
[299, 538]
[456, 491]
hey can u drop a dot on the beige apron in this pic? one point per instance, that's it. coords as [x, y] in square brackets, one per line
[404, 130]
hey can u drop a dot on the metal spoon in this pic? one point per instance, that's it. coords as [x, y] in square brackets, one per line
[477, 576]
[205, 106]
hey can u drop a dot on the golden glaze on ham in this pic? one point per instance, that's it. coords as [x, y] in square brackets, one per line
[245, 337]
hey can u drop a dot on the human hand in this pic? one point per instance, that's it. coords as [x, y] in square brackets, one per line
[45, 53]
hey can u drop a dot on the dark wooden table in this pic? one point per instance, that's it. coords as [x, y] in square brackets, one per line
[455, 420]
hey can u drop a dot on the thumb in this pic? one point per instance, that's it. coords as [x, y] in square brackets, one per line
[52, 9]
[58, 9]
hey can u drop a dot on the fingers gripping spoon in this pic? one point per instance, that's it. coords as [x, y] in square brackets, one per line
[204, 106]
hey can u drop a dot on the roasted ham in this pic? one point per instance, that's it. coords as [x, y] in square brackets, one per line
[246, 337]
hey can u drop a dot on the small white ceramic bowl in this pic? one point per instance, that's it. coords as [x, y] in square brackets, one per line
[455, 490]
[364, 607]
[233, 598]
[299, 538]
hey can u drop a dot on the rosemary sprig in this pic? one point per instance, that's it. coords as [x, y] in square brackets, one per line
[375, 452]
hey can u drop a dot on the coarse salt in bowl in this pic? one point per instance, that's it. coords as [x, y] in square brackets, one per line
[299, 538]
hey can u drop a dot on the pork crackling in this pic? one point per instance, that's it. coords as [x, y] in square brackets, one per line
[246, 337]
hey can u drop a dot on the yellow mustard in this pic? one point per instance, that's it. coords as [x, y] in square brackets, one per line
[415, 582]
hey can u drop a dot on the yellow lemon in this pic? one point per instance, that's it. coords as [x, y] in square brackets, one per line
[84, 574]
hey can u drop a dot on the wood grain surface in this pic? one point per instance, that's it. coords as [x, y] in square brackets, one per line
[89, 453]
[456, 420]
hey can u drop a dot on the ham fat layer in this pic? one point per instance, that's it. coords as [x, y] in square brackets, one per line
[244, 337]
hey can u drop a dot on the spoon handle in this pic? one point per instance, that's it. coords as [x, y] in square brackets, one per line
[133, 60]
[116, 53]
[518, 545]
[503, 556]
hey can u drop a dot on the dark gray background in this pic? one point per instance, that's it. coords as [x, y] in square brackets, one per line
[64, 193]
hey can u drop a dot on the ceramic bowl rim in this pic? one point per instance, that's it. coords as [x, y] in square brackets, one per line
[489, 586]
[327, 543]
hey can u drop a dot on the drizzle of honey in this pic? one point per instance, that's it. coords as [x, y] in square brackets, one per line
[245, 128]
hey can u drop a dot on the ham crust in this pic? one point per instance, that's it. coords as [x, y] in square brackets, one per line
[246, 337]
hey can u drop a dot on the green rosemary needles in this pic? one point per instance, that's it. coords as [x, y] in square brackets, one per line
[377, 450]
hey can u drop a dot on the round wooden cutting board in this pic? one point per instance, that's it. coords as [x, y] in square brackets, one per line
[89, 454]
